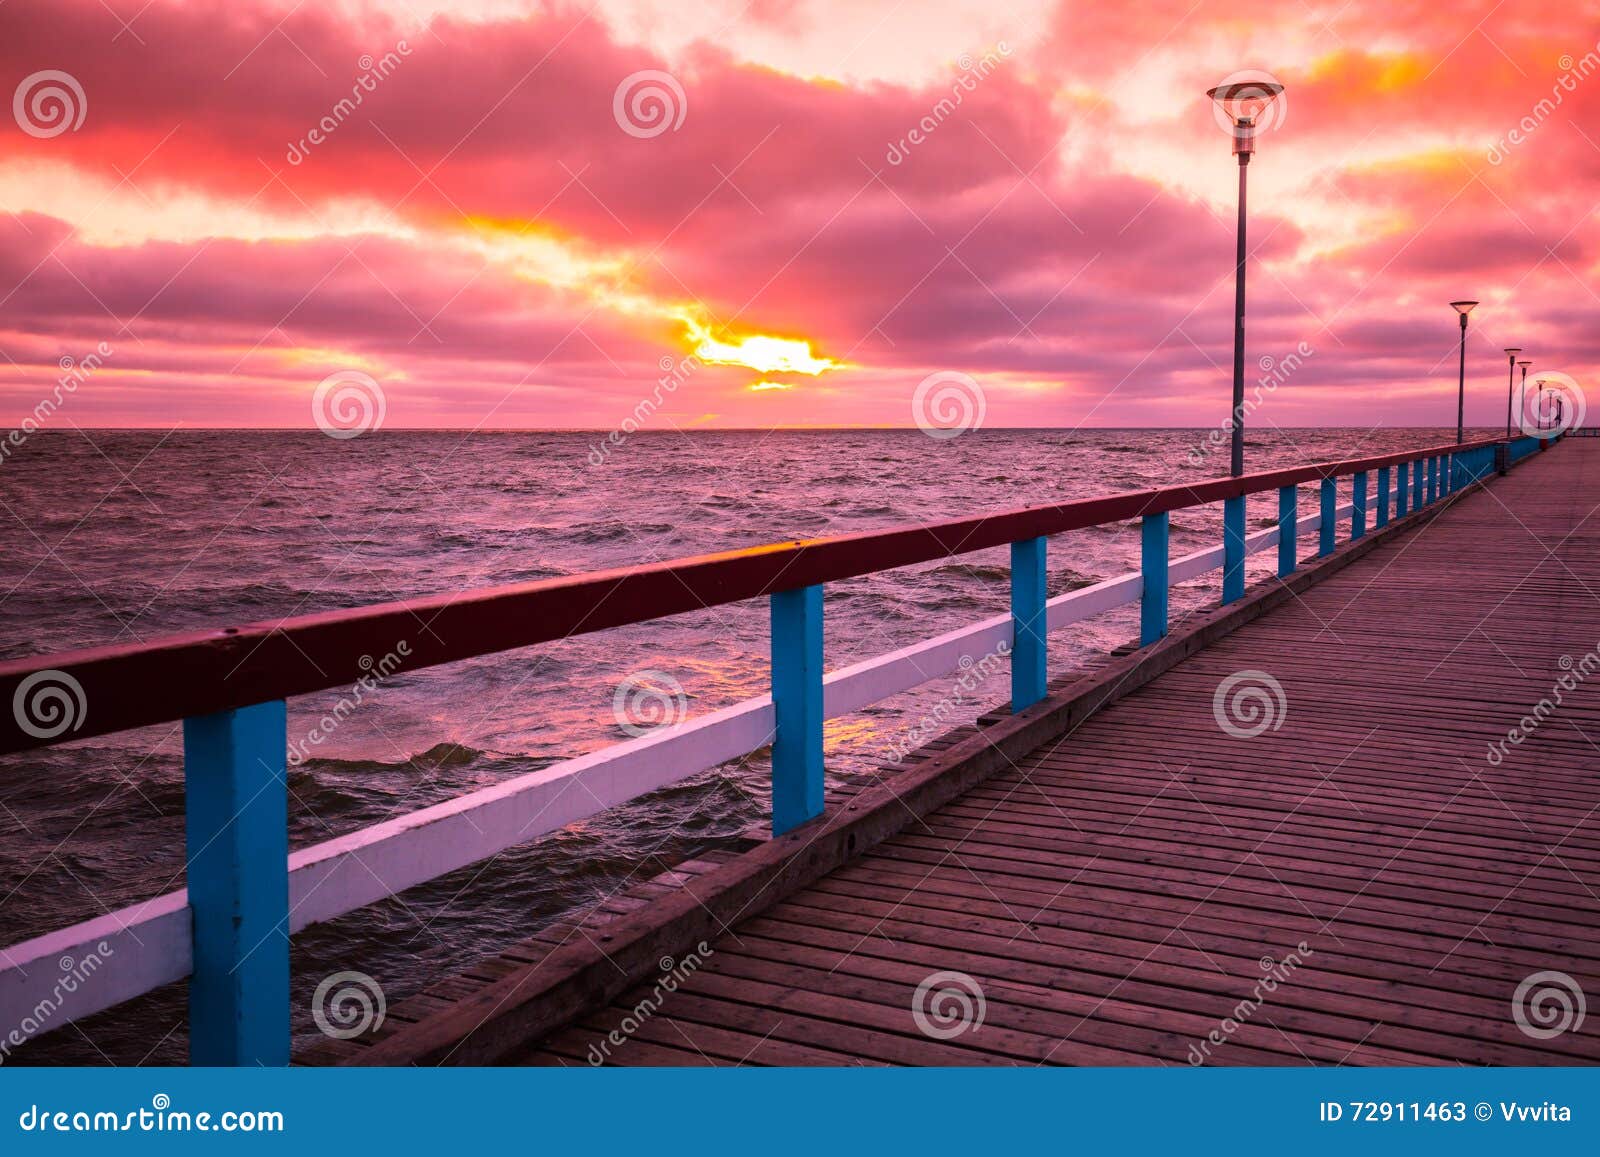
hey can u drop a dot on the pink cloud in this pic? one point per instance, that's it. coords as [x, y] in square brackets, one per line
[987, 246]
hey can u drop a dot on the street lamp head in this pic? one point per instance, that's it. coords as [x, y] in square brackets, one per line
[1463, 307]
[1246, 98]
[1525, 363]
[1243, 103]
[1513, 351]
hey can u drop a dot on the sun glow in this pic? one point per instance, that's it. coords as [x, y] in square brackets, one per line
[760, 352]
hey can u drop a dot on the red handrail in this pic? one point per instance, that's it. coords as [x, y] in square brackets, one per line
[202, 672]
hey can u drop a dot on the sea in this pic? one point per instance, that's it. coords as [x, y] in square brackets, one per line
[127, 536]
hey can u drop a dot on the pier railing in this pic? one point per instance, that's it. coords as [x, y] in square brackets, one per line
[229, 930]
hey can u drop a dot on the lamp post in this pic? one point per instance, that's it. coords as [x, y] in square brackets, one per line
[1243, 103]
[1463, 308]
[1511, 383]
[1522, 397]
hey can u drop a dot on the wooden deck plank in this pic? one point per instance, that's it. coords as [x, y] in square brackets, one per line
[909, 963]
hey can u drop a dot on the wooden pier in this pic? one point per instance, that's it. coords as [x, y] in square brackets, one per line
[1117, 894]
[1347, 817]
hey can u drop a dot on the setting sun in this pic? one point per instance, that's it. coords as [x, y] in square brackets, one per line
[769, 355]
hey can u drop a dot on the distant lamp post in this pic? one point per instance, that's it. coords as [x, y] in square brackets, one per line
[1511, 383]
[1522, 396]
[1463, 308]
[1243, 103]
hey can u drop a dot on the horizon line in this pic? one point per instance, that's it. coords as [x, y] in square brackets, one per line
[607, 430]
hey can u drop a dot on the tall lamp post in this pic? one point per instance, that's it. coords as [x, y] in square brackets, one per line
[1522, 397]
[1243, 103]
[1463, 308]
[1511, 383]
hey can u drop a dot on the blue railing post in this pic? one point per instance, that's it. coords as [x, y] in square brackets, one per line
[797, 703]
[1232, 549]
[1029, 631]
[236, 827]
[1330, 513]
[1416, 485]
[1433, 478]
[1153, 540]
[1402, 489]
[1382, 515]
[1288, 529]
[1358, 506]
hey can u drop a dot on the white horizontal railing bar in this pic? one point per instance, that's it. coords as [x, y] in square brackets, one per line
[1201, 562]
[346, 873]
[872, 680]
[47, 981]
[1086, 602]
[151, 940]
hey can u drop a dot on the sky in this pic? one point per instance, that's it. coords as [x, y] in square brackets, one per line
[642, 214]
